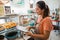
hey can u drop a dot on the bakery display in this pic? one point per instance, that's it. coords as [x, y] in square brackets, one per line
[8, 25]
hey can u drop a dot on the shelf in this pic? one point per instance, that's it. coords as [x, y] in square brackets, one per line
[8, 30]
[8, 15]
[11, 15]
[3, 17]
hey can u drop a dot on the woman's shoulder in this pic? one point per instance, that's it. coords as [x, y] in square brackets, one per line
[47, 19]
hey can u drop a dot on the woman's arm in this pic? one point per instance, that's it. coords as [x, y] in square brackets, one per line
[42, 36]
[30, 28]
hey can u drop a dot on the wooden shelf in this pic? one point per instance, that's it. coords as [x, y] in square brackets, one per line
[8, 15]
[3, 17]
[11, 15]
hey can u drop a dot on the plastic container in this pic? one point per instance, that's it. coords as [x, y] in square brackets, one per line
[11, 35]
[32, 23]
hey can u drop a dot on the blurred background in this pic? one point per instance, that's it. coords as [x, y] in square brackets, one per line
[22, 13]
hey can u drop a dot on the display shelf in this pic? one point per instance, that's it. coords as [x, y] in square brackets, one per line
[8, 30]
[2, 31]
[11, 29]
[6, 17]
[3, 17]
[11, 15]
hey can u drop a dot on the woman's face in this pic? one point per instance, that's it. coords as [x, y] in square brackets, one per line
[38, 10]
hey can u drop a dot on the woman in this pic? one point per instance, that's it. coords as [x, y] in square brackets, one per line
[44, 28]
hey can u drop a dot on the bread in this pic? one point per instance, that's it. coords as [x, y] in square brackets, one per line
[1, 28]
[8, 25]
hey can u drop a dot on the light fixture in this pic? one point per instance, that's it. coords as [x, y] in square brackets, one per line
[31, 1]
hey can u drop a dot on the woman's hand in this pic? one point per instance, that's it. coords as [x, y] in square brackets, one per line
[28, 28]
[29, 33]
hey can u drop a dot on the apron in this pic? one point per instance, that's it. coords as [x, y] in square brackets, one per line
[36, 29]
[37, 32]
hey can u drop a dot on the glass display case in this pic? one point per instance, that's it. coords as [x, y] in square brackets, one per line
[24, 20]
[8, 21]
[27, 20]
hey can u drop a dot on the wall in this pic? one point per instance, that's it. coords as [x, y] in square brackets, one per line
[21, 10]
[53, 4]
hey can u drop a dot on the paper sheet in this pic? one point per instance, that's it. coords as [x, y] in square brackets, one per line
[24, 29]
